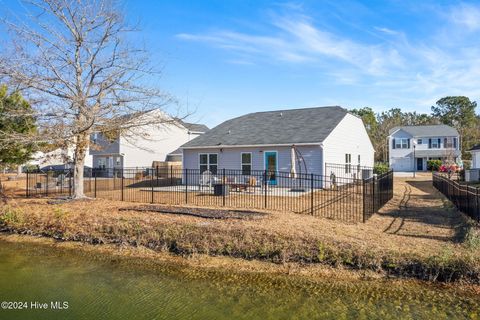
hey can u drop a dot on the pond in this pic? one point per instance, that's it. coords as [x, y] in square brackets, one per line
[89, 287]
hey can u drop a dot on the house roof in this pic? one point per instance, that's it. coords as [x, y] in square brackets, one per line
[176, 151]
[475, 148]
[427, 131]
[195, 127]
[295, 126]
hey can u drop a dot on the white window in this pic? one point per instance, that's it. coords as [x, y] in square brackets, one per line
[348, 163]
[208, 161]
[246, 163]
[102, 163]
[401, 143]
[419, 141]
[435, 143]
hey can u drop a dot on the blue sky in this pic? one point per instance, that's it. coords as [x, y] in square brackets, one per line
[226, 58]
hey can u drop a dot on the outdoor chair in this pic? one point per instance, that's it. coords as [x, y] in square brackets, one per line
[206, 180]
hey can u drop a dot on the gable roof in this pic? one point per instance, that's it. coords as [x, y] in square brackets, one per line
[309, 125]
[475, 148]
[195, 127]
[428, 130]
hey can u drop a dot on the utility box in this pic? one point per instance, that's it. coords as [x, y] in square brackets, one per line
[220, 189]
[367, 174]
[472, 175]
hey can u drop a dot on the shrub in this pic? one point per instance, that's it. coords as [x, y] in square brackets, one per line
[434, 165]
[380, 168]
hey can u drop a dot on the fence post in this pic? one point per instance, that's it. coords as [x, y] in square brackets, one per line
[156, 171]
[26, 189]
[373, 195]
[311, 191]
[186, 185]
[478, 205]
[123, 183]
[95, 183]
[224, 186]
[265, 186]
[364, 218]
[70, 183]
[46, 185]
[171, 176]
[151, 185]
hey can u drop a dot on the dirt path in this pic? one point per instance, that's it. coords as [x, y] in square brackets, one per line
[419, 211]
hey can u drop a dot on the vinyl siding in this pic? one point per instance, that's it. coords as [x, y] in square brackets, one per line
[476, 159]
[402, 159]
[350, 136]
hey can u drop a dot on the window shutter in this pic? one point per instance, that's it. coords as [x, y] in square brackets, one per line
[439, 141]
[408, 144]
[393, 143]
[455, 143]
[445, 142]
[430, 143]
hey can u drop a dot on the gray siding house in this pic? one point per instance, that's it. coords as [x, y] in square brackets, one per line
[264, 141]
[410, 147]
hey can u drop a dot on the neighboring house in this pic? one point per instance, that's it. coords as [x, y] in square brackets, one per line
[410, 147]
[475, 151]
[154, 144]
[58, 158]
[264, 141]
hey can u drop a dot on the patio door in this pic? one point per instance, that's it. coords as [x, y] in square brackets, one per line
[271, 166]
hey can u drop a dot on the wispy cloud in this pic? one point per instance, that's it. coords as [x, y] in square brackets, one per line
[425, 69]
[466, 16]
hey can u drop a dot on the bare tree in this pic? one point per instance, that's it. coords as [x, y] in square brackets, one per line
[73, 61]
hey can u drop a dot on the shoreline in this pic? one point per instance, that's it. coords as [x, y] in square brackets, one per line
[198, 265]
[102, 222]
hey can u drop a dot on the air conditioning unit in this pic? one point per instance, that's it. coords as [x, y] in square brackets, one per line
[472, 175]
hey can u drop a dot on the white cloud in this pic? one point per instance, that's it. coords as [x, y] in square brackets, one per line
[466, 15]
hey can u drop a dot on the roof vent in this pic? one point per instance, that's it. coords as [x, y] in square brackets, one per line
[281, 114]
[228, 132]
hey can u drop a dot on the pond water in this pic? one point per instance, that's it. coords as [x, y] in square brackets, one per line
[109, 288]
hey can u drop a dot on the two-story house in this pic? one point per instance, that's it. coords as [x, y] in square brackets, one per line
[154, 144]
[410, 147]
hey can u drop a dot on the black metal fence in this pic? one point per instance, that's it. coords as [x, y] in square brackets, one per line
[378, 190]
[466, 198]
[330, 196]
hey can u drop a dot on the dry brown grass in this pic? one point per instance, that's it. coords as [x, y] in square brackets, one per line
[417, 228]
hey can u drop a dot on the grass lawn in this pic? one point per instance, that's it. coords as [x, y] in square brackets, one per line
[417, 227]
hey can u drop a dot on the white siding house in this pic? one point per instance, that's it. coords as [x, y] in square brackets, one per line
[155, 144]
[410, 147]
[475, 151]
[264, 141]
[57, 158]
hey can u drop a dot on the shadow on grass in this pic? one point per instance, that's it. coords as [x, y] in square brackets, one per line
[418, 209]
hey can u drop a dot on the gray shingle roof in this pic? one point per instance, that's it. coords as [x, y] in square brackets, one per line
[309, 125]
[428, 131]
[195, 127]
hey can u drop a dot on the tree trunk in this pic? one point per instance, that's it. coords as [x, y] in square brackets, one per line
[19, 170]
[79, 161]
